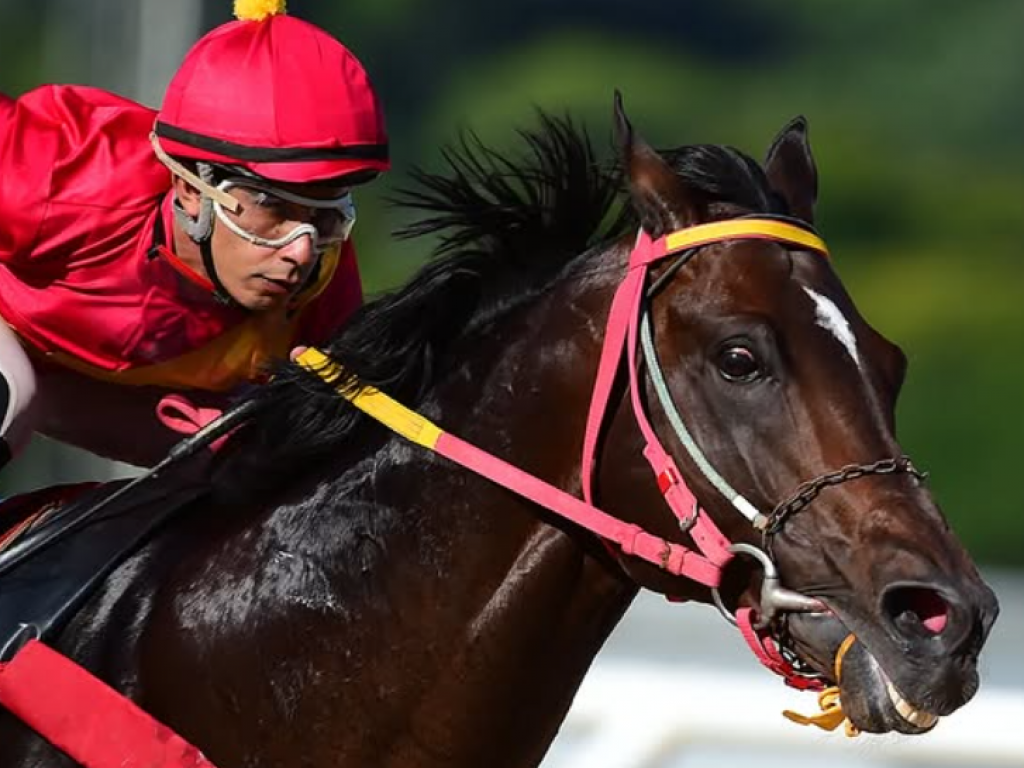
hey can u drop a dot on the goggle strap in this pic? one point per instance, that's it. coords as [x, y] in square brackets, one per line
[223, 198]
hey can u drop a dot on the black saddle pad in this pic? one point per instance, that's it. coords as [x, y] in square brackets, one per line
[48, 582]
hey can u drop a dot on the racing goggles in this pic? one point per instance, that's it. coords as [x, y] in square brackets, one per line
[273, 218]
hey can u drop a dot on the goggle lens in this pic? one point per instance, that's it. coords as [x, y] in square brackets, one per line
[274, 218]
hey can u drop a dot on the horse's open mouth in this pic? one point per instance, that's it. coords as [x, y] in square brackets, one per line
[918, 718]
[869, 697]
[872, 700]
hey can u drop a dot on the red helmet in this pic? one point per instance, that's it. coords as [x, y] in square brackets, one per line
[278, 96]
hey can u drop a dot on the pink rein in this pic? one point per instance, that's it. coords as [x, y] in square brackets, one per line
[621, 332]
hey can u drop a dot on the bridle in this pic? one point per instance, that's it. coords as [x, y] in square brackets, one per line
[808, 491]
[628, 331]
[805, 492]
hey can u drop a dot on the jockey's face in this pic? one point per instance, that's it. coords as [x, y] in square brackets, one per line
[265, 252]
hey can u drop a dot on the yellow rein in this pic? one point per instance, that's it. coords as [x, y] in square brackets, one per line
[374, 403]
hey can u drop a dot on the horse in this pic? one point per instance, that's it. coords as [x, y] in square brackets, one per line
[343, 597]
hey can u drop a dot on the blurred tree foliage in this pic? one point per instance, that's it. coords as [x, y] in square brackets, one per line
[916, 110]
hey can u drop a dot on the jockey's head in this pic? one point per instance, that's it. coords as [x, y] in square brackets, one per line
[267, 125]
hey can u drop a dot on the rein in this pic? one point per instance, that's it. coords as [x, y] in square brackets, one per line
[628, 330]
[633, 540]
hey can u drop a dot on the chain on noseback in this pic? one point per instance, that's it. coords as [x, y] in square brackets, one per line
[808, 491]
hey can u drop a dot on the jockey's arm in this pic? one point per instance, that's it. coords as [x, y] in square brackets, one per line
[114, 421]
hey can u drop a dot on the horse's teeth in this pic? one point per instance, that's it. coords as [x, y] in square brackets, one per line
[911, 714]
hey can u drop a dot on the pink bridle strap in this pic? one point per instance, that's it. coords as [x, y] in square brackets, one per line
[713, 545]
[621, 333]
[764, 648]
[621, 336]
[631, 539]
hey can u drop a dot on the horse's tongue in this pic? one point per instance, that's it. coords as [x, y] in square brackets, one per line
[931, 610]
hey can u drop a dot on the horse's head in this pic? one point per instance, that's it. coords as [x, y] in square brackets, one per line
[789, 396]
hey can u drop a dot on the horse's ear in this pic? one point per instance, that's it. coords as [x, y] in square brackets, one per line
[791, 171]
[659, 196]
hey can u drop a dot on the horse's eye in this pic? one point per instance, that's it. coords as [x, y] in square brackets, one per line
[738, 364]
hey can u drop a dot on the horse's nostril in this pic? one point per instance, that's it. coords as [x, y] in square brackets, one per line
[916, 608]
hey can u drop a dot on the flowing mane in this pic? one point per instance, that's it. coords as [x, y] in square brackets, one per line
[506, 229]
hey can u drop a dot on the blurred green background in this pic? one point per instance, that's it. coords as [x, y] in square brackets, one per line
[916, 111]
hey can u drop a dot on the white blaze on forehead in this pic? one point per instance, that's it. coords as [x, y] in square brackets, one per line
[831, 318]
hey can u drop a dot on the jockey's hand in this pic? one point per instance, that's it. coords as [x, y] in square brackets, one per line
[294, 354]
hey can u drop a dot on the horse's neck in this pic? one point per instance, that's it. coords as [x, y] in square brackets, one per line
[513, 652]
[509, 610]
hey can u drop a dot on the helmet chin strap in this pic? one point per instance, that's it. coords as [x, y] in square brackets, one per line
[220, 293]
[200, 231]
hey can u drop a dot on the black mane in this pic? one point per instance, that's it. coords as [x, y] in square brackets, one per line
[505, 229]
[724, 177]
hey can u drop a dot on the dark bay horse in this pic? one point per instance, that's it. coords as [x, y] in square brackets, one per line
[344, 598]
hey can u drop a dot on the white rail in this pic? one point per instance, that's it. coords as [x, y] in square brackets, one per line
[639, 715]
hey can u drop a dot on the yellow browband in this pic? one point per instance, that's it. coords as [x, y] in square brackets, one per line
[738, 229]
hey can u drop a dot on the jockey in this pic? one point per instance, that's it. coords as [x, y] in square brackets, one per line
[146, 253]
